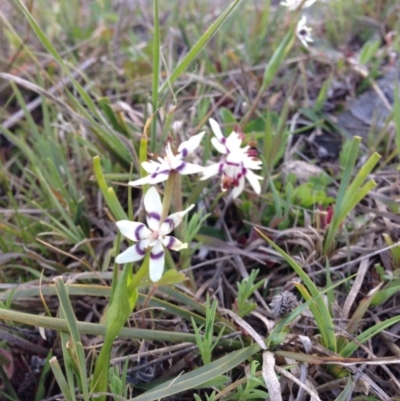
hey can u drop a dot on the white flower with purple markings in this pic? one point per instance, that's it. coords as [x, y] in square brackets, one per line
[236, 163]
[295, 4]
[159, 170]
[152, 238]
[303, 32]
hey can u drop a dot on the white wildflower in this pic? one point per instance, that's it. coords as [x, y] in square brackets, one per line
[154, 237]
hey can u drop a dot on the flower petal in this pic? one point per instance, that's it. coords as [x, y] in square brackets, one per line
[254, 164]
[189, 146]
[173, 243]
[153, 207]
[187, 168]
[133, 230]
[151, 166]
[169, 158]
[158, 172]
[173, 220]
[133, 253]
[157, 261]
[212, 170]
[237, 190]
[140, 181]
[303, 32]
[217, 130]
[233, 142]
[254, 181]
[219, 145]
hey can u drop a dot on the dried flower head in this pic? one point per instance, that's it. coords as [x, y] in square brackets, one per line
[284, 303]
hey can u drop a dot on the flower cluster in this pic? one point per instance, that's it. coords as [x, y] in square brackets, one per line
[236, 165]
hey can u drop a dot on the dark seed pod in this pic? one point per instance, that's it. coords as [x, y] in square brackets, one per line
[284, 303]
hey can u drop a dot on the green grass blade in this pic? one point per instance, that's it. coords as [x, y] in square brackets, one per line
[156, 74]
[351, 158]
[198, 46]
[396, 114]
[199, 376]
[350, 348]
[323, 317]
[277, 59]
[76, 345]
[347, 391]
[349, 195]
[100, 329]
[60, 378]
[108, 193]
[361, 175]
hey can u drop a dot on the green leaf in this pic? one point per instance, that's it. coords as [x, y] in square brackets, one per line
[199, 376]
[215, 382]
[171, 277]
[368, 51]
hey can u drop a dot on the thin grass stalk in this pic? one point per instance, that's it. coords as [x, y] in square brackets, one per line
[108, 193]
[156, 74]
[61, 381]
[197, 47]
[396, 115]
[75, 344]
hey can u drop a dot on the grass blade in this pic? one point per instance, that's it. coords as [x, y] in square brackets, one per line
[322, 316]
[199, 376]
[156, 74]
[198, 47]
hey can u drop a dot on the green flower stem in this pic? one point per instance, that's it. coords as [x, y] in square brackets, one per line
[141, 273]
[122, 303]
[168, 194]
[143, 157]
